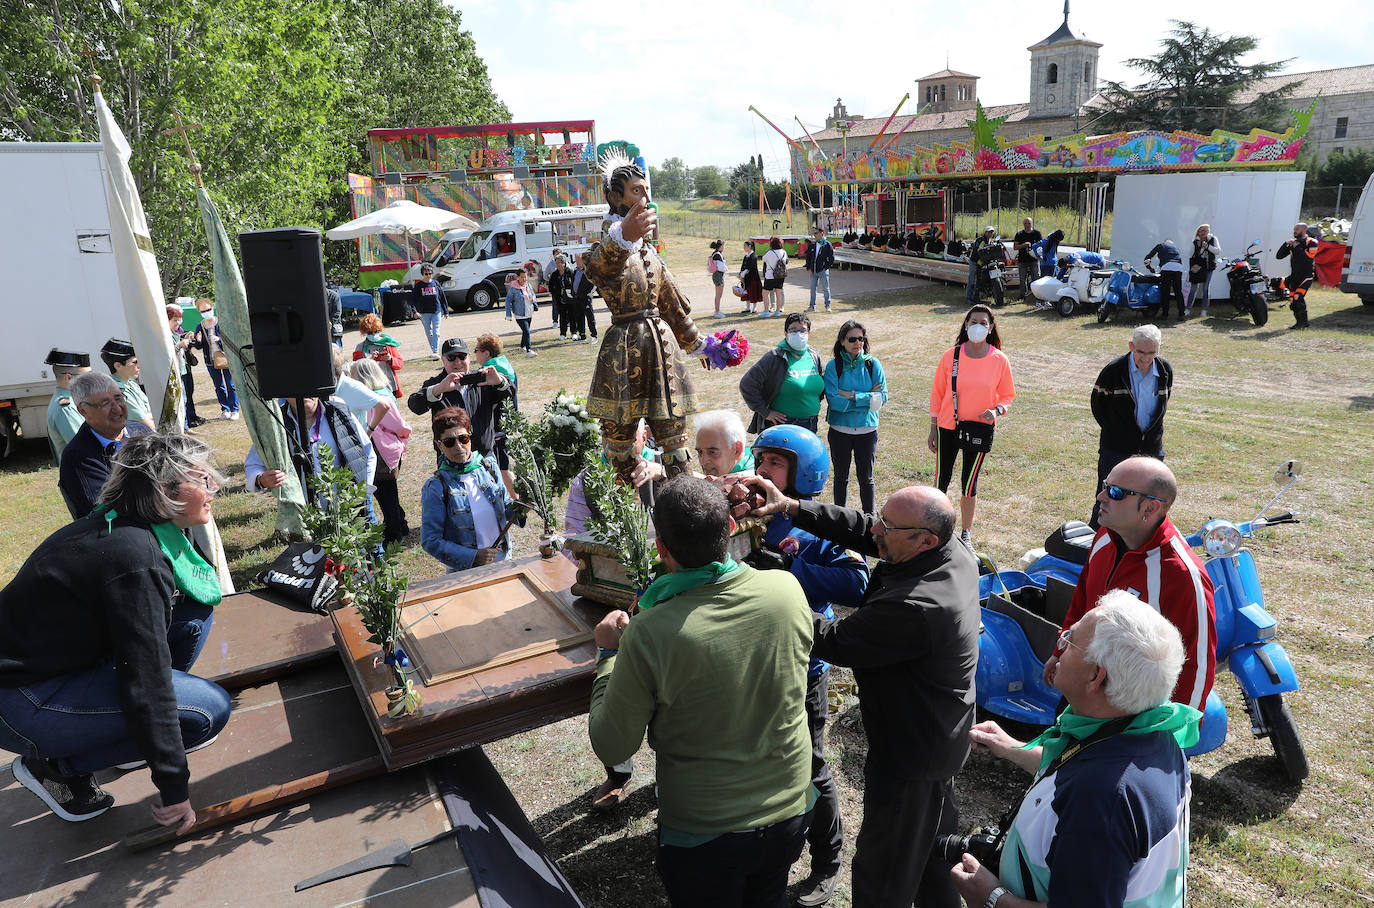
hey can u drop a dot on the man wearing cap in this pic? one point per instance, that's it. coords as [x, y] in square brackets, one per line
[119, 357]
[481, 400]
[971, 290]
[85, 462]
[63, 419]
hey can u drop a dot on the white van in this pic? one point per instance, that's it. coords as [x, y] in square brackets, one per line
[476, 277]
[1357, 273]
[444, 251]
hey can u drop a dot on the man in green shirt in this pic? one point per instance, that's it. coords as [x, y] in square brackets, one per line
[714, 668]
[119, 357]
[63, 418]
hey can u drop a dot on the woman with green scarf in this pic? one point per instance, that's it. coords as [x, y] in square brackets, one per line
[102, 624]
[855, 390]
[383, 348]
[465, 507]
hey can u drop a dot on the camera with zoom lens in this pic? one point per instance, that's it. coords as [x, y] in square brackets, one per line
[985, 844]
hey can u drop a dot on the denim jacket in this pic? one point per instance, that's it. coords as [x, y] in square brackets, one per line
[856, 413]
[447, 530]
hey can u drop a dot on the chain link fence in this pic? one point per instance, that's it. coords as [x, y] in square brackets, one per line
[1330, 201]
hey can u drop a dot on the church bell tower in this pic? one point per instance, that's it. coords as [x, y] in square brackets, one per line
[1063, 72]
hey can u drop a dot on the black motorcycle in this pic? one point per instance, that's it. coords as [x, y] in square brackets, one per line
[1250, 291]
[992, 260]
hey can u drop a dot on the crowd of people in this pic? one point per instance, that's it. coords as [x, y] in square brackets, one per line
[726, 666]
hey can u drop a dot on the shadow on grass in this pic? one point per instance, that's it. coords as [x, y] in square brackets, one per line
[1244, 793]
[1362, 402]
[603, 858]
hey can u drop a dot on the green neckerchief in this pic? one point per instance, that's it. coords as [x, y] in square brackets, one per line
[854, 362]
[381, 339]
[666, 586]
[646, 454]
[474, 463]
[502, 366]
[193, 575]
[1177, 718]
[746, 462]
[793, 354]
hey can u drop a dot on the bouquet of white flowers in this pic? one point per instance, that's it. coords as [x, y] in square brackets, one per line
[568, 438]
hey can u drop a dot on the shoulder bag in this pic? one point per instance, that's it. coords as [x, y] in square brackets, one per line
[971, 434]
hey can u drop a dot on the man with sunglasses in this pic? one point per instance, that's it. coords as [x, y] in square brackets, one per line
[1138, 549]
[913, 646]
[482, 401]
[1128, 401]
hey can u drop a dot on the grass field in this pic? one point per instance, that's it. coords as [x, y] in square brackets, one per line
[1245, 399]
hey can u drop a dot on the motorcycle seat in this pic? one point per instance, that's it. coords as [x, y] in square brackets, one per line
[1102, 275]
[1145, 279]
[1071, 541]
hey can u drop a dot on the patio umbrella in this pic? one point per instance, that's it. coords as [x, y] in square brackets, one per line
[402, 216]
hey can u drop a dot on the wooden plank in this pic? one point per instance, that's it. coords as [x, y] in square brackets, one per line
[258, 636]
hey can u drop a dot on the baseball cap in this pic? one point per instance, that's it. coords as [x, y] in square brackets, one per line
[453, 345]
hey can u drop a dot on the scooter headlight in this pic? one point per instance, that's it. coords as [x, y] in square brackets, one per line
[1221, 538]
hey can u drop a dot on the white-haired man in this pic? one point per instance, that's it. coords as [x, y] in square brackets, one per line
[85, 462]
[1106, 821]
[1128, 401]
[720, 444]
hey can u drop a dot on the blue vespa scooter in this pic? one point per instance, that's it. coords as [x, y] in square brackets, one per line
[1129, 288]
[1023, 611]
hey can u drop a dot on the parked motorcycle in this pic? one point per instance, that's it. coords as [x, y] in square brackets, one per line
[1077, 283]
[1023, 611]
[1128, 287]
[992, 258]
[1249, 288]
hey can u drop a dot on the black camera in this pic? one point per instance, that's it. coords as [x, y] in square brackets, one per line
[475, 377]
[984, 844]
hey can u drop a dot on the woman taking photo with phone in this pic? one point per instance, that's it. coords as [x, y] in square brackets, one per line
[972, 390]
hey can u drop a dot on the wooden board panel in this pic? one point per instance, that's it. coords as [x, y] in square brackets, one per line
[258, 636]
[488, 704]
[486, 623]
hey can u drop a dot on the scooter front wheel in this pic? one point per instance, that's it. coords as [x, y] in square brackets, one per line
[1283, 734]
[1104, 312]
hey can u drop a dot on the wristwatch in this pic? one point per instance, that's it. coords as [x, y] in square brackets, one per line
[994, 895]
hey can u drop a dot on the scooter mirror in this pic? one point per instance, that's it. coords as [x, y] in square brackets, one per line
[1290, 469]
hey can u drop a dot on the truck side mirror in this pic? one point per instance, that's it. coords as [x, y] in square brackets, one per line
[482, 255]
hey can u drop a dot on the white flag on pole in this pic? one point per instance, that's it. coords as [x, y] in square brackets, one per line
[140, 286]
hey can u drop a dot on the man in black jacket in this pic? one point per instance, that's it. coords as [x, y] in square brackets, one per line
[913, 646]
[560, 290]
[1128, 401]
[582, 296]
[1303, 249]
[820, 258]
[85, 463]
[1170, 276]
[482, 401]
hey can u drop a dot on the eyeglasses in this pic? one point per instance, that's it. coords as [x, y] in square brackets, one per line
[205, 482]
[454, 357]
[856, 339]
[1062, 645]
[452, 440]
[104, 404]
[890, 528]
[1117, 493]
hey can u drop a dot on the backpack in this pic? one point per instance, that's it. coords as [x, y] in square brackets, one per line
[780, 266]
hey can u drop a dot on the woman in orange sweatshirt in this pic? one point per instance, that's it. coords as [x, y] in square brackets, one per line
[985, 391]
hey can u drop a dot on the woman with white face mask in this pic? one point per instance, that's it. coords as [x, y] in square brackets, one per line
[976, 375]
[787, 384]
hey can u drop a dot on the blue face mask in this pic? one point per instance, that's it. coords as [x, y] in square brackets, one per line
[798, 340]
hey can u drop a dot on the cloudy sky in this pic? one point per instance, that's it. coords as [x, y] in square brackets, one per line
[678, 78]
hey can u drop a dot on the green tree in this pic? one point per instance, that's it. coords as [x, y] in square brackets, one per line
[708, 181]
[1197, 82]
[744, 181]
[670, 181]
[1351, 167]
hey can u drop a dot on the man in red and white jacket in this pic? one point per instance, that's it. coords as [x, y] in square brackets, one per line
[1138, 549]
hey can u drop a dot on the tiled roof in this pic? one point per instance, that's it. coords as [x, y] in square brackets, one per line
[1346, 80]
[947, 74]
[954, 119]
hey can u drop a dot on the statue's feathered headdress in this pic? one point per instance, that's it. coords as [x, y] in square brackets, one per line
[613, 160]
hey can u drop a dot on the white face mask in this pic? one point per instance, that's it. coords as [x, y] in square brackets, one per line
[798, 340]
[977, 332]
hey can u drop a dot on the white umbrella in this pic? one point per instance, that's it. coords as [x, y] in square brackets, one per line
[402, 216]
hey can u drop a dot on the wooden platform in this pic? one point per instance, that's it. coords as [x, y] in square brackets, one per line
[487, 704]
[258, 636]
[929, 268]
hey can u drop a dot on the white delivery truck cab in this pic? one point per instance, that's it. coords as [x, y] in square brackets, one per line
[507, 240]
[1357, 273]
[61, 287]
[445, 251]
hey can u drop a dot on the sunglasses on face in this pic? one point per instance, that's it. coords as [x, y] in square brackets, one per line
[1117, 493]
[856, 339]
[454, 357]
[452, 440]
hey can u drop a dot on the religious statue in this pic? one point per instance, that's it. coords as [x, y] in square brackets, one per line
[641, 369]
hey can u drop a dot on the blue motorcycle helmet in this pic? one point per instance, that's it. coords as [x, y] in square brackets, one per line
[810, 462]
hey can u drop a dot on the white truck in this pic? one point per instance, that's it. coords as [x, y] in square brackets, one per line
[61, 286]
[1357, 272]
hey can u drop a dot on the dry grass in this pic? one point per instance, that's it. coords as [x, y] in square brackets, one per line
[1245, 399]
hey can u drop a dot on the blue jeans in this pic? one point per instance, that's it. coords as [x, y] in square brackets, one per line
[430, 321]
[820, 279]
[971, 290]
[224, 388]
[524, 324]
[77, 721]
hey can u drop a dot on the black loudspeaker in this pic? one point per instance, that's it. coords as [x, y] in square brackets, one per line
[283, 274]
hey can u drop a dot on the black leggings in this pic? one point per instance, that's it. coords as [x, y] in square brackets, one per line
[947, 445]
[864, 451]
